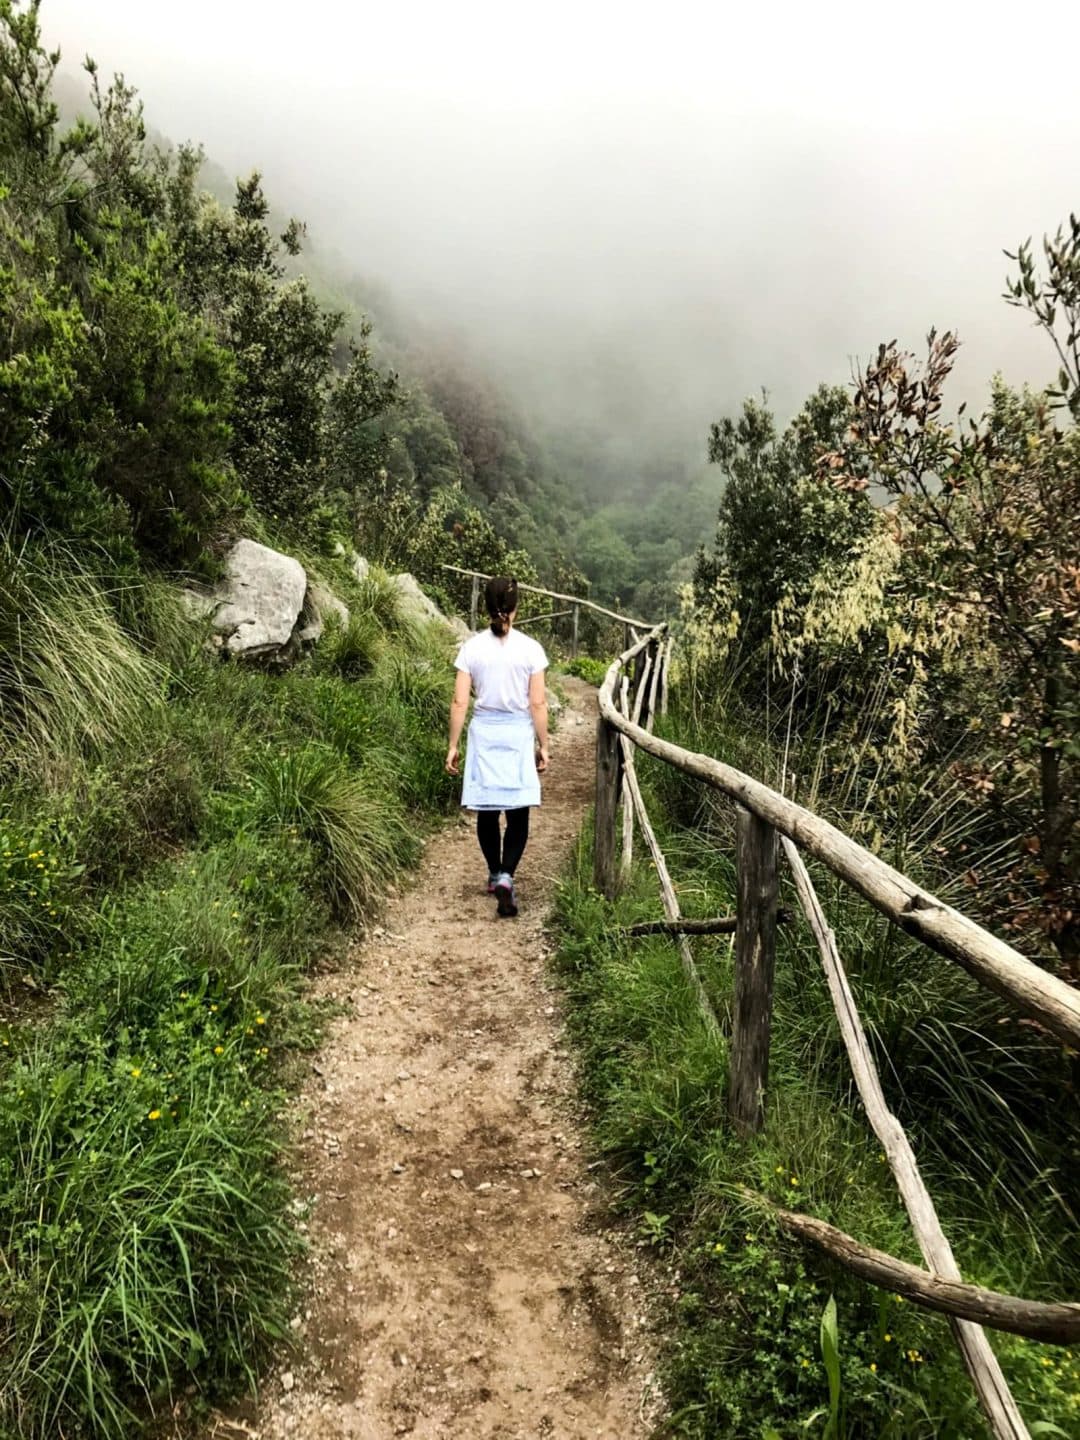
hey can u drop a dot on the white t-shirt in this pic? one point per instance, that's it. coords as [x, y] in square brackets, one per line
[500, 666]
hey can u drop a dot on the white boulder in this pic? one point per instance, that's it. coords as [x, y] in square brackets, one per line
[259, 602]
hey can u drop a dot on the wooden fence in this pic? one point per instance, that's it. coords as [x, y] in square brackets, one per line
[576, 604]
[769, 825]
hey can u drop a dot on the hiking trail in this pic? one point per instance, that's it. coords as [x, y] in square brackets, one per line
[463, 1279]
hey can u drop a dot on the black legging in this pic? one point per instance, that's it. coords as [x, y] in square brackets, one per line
[503, 853]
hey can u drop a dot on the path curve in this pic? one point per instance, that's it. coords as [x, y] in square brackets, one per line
[464, 1282]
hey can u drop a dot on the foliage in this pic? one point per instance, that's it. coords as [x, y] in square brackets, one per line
[777, 526]
[931, 640]
[586, 668]
[753, 1350]
[985, 520]
[159, 364]
[1052, 299]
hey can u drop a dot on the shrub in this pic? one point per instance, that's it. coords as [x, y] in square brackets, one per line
[70, 679]
[361, 839]
[351, 649]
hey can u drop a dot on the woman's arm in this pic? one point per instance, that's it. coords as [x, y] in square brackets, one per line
[538, 707]
[459, 708]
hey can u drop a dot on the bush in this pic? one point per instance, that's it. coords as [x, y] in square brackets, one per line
[587, 669]
[361, 839]
[71, 682]
[143, 1223]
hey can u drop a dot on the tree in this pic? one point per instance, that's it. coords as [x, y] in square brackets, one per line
[778, 524]
[988, 519]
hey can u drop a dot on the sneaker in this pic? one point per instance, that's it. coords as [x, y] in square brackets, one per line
[504, 895]
[491, 882]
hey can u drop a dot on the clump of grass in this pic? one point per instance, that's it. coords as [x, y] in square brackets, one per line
[378, 596]
[351, 648]
[420, 682]
[361, 837]
[71, 681]
[143, 1224]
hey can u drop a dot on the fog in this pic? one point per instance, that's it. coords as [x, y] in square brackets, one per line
[636, 215]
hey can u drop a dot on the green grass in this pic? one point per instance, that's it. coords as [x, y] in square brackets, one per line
[981, 1099]
[177, 844]
[585, 667]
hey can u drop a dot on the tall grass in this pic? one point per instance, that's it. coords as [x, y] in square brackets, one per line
[361, 836]
[71, 680]
[180, 838]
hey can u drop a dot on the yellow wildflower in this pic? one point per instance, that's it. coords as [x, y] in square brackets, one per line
[154, 1115]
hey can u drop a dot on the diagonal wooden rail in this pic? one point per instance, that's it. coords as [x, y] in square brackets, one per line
[576, 603]
[764, 818]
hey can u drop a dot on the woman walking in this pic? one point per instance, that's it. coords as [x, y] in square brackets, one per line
[508, 741]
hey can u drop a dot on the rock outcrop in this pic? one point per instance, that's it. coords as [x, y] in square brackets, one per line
[265, 608]
[260, 600]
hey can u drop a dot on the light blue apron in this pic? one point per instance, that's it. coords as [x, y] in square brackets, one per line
[500, 764]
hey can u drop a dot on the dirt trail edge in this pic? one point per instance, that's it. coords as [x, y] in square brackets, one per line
[463, 1280]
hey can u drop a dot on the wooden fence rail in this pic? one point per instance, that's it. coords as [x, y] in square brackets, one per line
[575, 602]
[767, 825]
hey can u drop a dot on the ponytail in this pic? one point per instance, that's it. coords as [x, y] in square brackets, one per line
[501, 598]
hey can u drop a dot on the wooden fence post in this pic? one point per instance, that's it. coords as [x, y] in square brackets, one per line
[608, 780]
[755, 950]
[573, 643]
[664, 677]
[474, 603]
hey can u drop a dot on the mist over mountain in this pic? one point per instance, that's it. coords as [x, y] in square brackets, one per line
[636, 228]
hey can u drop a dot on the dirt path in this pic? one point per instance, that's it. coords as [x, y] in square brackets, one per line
[462, 1283]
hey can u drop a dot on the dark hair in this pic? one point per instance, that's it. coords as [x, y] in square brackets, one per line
[501, 598]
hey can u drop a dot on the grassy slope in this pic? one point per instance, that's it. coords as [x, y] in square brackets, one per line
[171, 861]
[978, 1095]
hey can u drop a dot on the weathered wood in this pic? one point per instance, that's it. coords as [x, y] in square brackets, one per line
[627, 863]
[1030, 990]
[658, 666]
[608, 766]
[667, 895]
[536, 619]
[722, 925]
[474, 604]
[626, 857]
[981, 1362]
[717, 925]
[558, 595]
[755, 951]
[1053, 1323]
[574, 640]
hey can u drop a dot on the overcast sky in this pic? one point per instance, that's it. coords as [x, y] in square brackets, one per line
[642, 213]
